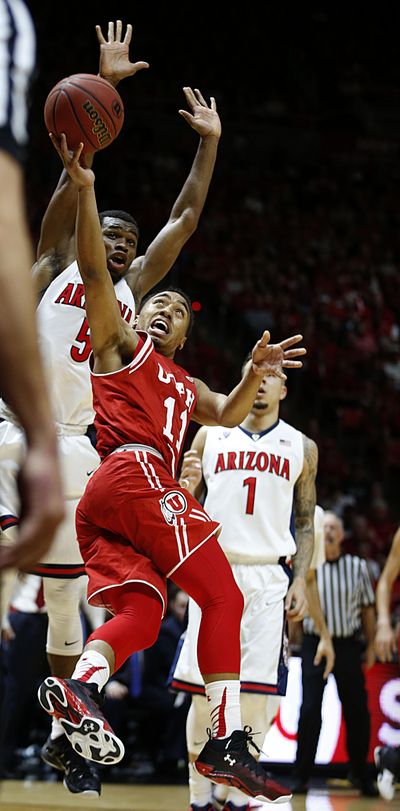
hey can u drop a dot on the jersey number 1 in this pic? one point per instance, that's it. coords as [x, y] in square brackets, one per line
[251, 494]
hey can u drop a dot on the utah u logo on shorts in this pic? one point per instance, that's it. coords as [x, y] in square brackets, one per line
[173, 504]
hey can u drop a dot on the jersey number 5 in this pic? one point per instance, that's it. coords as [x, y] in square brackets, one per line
[82, 352]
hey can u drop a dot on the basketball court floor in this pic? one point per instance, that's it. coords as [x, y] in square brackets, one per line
[17, 795]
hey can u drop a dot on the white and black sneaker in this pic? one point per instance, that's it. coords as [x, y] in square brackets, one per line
[387, 762]
[77, 706]
[80, 776]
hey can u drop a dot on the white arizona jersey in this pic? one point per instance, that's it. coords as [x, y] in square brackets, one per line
[64, 339]
[250, 479]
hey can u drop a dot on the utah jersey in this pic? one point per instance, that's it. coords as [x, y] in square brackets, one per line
[256, 515]
[64, 339]
[148, 402]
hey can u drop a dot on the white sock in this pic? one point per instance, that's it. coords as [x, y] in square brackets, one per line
[224, 705]
[200, 788]
[56, 729]
[92, 667]
[237, 798]
[220, 792]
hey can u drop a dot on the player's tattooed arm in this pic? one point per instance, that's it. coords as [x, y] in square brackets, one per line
[304, 507]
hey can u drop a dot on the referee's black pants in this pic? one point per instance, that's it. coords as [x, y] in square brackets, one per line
[350, 683]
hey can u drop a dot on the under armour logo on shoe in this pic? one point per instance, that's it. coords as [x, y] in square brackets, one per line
[89, 727]
[230, 760]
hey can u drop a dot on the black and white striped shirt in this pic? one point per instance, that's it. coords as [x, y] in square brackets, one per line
[17, 62]
[344, 587]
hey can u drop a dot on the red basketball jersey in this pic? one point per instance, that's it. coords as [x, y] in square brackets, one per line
[149, 402]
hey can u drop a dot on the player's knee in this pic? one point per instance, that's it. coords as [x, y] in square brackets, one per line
[9, 536]
[149, 636]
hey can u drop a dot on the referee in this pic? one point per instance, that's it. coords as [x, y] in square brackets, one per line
[347, 600]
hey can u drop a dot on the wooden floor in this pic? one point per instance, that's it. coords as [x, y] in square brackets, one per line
[17, 795]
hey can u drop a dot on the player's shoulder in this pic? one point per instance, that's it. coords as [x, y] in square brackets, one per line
[217, 432]
[69, 273]
[284, 428]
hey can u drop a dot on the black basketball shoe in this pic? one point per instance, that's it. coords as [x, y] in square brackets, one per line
[80, 776]
[387, 762]
[228, 760]
[201, 807]
[77, 705]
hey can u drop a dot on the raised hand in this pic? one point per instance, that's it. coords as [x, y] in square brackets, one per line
[269, 359]
[80, 175]
[204, 119]
[114, 54]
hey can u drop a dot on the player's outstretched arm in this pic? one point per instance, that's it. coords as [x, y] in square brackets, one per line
[56, 246]
[108, 330]
[183, 220]
[267, 359]
[385, 641]
[23, 383]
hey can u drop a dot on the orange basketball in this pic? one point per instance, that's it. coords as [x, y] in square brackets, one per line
[87, 108]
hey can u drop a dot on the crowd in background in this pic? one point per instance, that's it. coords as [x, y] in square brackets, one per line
[300, 232]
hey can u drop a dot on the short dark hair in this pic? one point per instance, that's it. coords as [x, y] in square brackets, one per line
[119, 214]
[172, 289]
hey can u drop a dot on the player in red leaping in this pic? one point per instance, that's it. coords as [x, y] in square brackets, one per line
[137, 527]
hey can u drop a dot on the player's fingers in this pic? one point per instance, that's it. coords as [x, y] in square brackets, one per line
[140, 65]
[200, 97]
[118, 31]
[128, 34]
[55, 143]
[294, 339]
[264, 340]
[292, 364]
[317, 659]
[213, 104]
[187, 116]
[294, 353]
[190, 97]
[65, 151]
[100, 37]
[78, 152]
[110, 32]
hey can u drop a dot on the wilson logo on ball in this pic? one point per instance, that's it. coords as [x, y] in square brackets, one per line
[99, 129]
[116, 108]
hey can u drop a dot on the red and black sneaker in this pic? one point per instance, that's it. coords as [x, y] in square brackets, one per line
[77, 706]
[228, 760]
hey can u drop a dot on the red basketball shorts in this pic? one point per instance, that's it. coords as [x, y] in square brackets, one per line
[136, 524]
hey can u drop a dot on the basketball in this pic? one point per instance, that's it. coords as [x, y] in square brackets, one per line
[87, 108]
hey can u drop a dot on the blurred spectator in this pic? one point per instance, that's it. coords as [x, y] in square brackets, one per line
[165, 711]
[23, 666]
